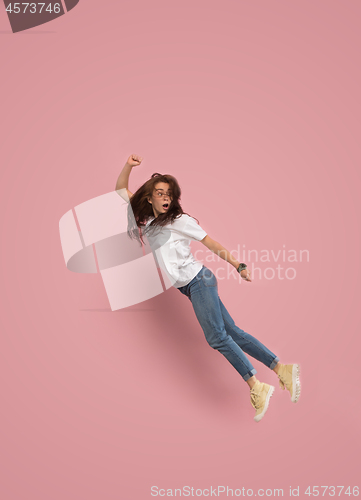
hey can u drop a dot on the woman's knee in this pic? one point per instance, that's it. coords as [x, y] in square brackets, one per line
[218, 340]
[233, 329]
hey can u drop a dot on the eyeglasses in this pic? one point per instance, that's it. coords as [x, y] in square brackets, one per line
[159, 194]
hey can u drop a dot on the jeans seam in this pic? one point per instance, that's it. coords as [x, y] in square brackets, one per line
[203, 281]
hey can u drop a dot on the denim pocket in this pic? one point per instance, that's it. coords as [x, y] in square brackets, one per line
[208, 277]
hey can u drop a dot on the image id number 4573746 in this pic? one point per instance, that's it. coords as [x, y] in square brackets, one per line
[330, 491]
[33, 7]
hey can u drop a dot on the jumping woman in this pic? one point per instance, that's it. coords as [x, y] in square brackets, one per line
[156, 212]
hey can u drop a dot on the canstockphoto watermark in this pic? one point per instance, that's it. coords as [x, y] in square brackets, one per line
[266, 264]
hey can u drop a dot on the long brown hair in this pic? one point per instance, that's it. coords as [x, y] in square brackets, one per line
[140, 210]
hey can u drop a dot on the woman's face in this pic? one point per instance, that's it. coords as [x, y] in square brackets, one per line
[161, 196]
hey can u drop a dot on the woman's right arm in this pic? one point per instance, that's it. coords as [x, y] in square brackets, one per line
[123, 179]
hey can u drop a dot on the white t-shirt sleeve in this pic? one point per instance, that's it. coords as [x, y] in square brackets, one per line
[193, 231]
[123, 193]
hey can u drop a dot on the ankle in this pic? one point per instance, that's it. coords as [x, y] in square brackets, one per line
[277, 367]
[251, 381]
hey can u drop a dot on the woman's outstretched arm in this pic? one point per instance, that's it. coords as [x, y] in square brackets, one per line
[123, 179]
[222, 252]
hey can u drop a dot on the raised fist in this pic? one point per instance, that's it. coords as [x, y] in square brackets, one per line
[134, 160]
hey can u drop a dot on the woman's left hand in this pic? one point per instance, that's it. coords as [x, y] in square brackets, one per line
[245, 274]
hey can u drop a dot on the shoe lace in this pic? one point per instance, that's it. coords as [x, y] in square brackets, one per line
[283, 383]
[255, 399]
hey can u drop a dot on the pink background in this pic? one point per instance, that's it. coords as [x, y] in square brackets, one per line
[254, 107]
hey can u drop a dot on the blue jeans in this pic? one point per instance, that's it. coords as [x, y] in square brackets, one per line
[219, 328]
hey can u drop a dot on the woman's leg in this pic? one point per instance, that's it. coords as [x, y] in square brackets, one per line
[249, 344]
[203, 294]
[289, 375]
[202, 291]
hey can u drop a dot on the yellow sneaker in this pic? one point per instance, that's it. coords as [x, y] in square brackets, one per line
[260, 396]
[289, 376]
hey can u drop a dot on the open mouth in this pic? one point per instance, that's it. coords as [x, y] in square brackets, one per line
[166, 205]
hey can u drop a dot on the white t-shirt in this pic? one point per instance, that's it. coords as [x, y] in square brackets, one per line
[170, 245]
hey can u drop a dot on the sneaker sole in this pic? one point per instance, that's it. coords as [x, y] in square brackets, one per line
[296, 383]
[257, 418]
